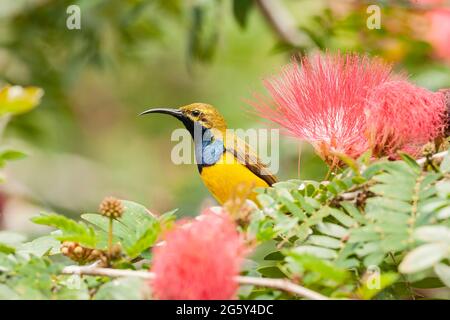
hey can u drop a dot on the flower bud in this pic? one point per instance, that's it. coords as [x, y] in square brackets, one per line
[111, 207]
[116, 251]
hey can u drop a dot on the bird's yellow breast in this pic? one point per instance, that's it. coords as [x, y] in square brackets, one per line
[226, 175]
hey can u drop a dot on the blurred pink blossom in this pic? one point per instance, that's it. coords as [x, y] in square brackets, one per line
[199, 259]
[438, 33]
[429, 2]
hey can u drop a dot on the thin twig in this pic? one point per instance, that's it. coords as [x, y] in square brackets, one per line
[282, 22]
[107, 272]
[437, 157]
[280, 284]
[348, 196]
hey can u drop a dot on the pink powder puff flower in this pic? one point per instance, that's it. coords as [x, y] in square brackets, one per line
[428, 2]
[402, 116]
[438, 34]
[322, 99]
[348, 104]
[199, 259]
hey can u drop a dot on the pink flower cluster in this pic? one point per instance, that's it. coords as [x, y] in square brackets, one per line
[438, 34]
[348, 104]
[437, 15]
[199, 259]
[401, 116]
[429, 2]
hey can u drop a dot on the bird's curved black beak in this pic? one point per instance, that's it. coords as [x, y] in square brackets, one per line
[173, 112]
[187, 122]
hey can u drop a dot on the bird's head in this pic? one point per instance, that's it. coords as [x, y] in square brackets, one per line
[193, 114]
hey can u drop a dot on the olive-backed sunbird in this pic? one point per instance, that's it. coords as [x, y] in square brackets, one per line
[225, 162]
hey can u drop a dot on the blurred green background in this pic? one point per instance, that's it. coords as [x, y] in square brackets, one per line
[85, 141]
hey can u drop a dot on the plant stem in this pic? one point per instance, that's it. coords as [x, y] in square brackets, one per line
[110, 237]
[280, 284]
[437, 156]
[107, 272]
[331, 168]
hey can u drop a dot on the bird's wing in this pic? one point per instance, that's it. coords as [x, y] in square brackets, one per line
[245, 155]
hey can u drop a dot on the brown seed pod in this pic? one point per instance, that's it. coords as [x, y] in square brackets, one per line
[238, 206]
[80, 254]
[116, 251]
[78, 251]
[96, 253]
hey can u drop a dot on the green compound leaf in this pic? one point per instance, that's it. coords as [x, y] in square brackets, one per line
[375, 284]
[424, 257]
[241, 10]
[145, 241]
[137, 229]
[70, 229]
[123, 289]
[443, 272]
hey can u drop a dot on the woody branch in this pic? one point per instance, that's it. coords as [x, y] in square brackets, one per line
[263, 282]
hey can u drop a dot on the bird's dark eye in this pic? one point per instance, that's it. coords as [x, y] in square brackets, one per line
[195, 113]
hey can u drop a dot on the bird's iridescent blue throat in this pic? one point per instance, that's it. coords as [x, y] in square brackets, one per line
[208, 149]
